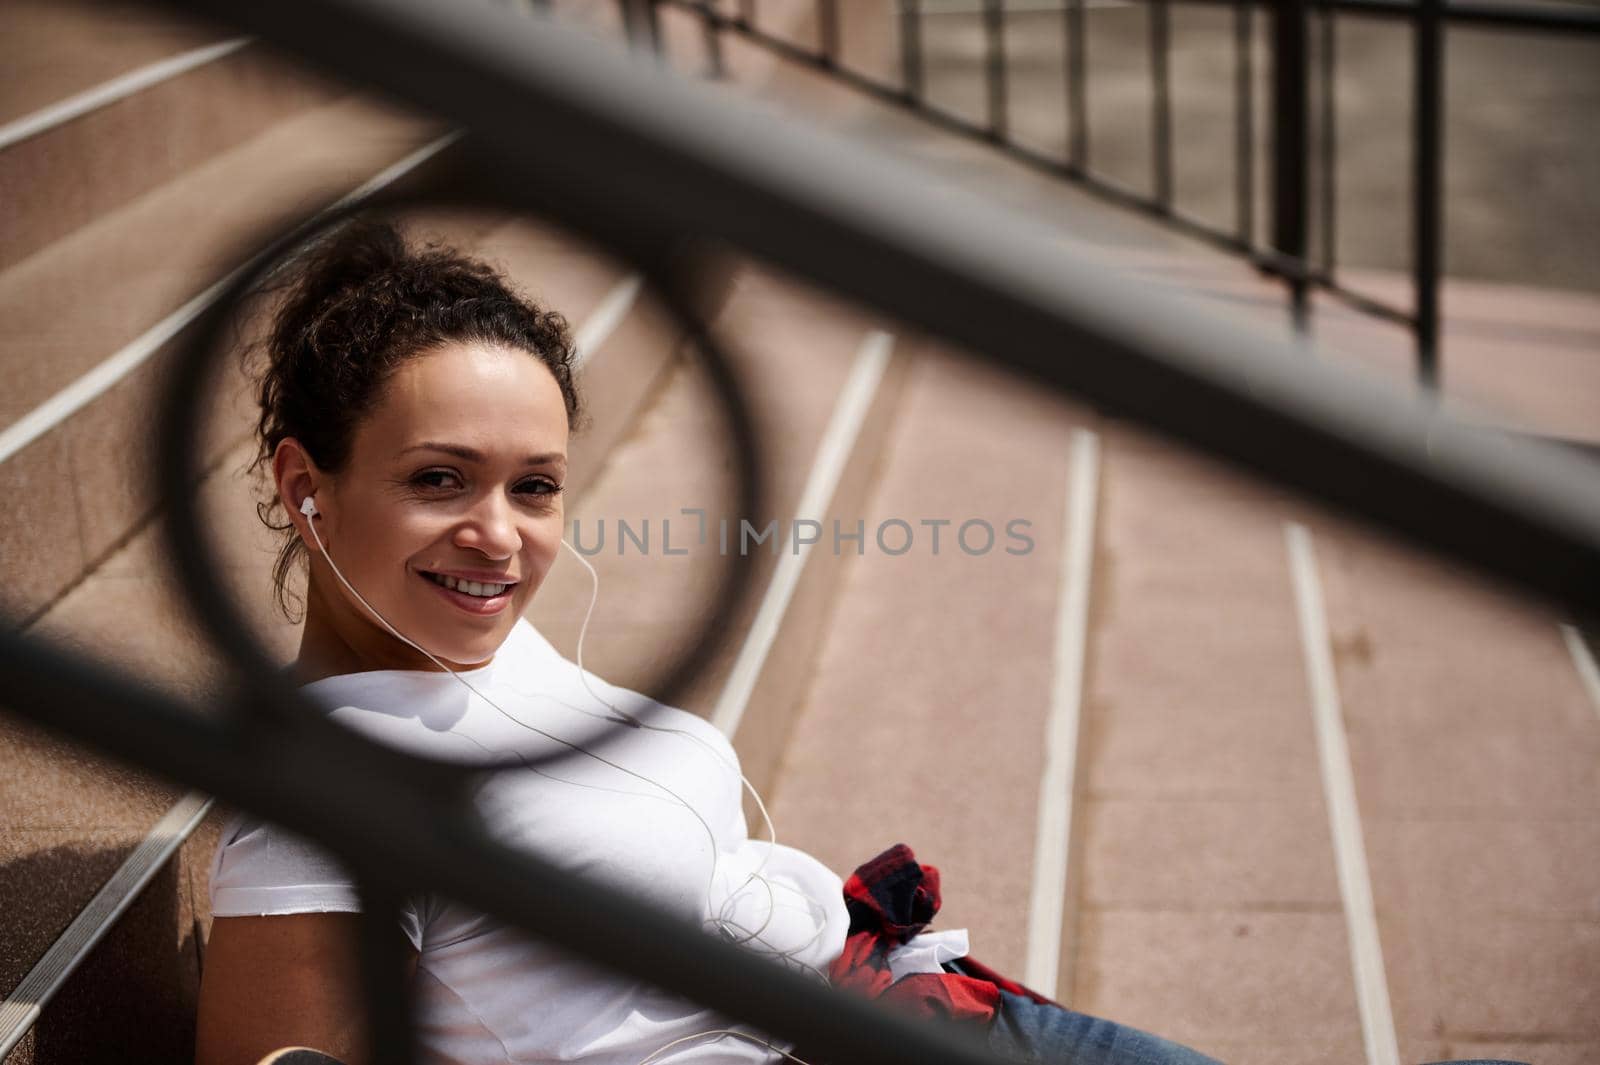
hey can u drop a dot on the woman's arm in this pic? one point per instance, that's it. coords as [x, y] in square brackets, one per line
[291, 980]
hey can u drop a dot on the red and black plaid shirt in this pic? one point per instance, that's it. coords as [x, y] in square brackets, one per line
[891, 899]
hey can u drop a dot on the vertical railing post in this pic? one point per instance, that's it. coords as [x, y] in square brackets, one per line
[994, 38]
[828, 30]
[1077, 88]
[715, 67]
[391, 1012]
[1161, 101]
[1428, 184]
[1328, 141]
[1291, 115]
[639, 22]
[1244, 123]
[911, 49]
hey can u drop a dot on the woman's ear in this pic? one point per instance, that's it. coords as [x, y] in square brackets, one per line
[297, 478]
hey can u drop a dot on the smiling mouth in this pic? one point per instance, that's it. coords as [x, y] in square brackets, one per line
[478, 589]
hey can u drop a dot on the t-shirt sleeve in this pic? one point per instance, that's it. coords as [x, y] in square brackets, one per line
[262, 869]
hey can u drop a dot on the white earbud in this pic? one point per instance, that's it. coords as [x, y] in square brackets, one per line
[308, 507]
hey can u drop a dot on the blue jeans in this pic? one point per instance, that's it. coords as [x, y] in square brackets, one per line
[1026, 1031]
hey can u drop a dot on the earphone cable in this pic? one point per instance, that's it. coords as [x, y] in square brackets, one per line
[723, 920]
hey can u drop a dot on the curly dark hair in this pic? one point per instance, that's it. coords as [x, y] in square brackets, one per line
[360, 302]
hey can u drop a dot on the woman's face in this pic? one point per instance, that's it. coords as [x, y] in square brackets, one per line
[448, 514]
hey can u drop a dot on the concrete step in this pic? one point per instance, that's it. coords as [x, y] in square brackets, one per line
[1209, 909]
[1476, 752]
[75, 304]
[55, 49]
[73, 171]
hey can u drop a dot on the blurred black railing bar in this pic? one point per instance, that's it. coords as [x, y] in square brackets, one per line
[825, 209]
[401, 822]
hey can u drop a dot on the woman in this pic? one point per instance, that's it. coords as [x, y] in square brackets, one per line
[415, 415]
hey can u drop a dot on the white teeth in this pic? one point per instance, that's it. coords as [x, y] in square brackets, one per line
[478, 588]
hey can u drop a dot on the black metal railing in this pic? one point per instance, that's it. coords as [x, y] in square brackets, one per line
[1287, 253]
[654, 169]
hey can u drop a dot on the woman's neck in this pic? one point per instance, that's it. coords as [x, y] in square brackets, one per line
[336, 640]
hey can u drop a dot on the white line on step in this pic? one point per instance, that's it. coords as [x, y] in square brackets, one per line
[1047, 899]
[1344, 817]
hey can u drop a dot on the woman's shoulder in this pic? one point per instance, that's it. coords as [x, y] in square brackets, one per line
[528, 678]
[535, 667]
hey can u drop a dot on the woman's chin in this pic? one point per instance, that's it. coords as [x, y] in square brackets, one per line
[461, 630]
[468, 650]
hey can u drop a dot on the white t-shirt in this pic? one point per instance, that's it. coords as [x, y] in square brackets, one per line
[488, 993]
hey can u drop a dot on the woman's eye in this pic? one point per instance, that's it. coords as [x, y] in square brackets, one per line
[436, 480]
[537, 486]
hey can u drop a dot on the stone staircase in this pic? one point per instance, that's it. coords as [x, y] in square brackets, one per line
[1113, 739]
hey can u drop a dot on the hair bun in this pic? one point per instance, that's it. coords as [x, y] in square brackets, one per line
[344, 262]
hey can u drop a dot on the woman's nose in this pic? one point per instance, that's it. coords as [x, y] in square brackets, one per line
[491, 529]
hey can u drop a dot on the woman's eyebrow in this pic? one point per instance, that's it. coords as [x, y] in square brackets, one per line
[470, 454]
